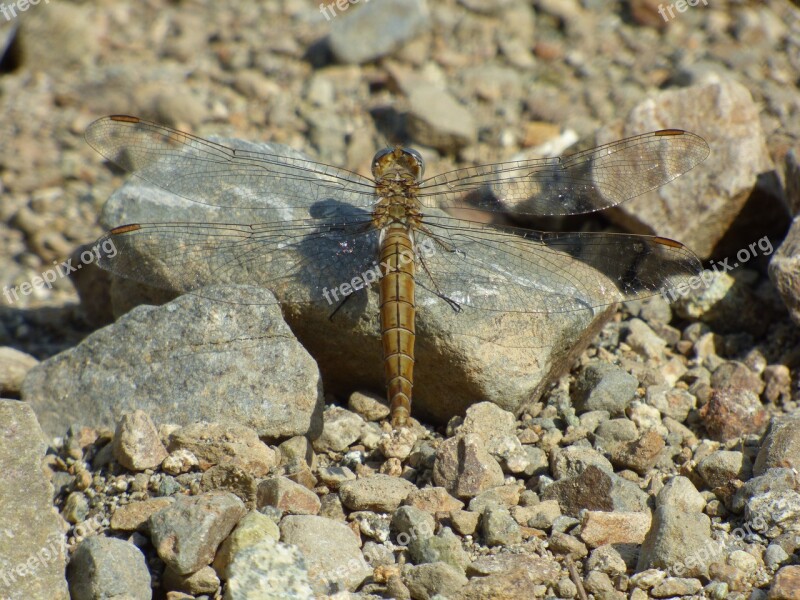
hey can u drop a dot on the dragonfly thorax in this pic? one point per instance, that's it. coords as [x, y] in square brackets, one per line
[398, 163]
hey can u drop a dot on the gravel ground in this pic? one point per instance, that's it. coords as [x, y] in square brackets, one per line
[661, 463]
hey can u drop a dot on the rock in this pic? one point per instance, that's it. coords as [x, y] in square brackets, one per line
[380, 493]
[638, 455]
[473, 357]
[134, 516]
[224, 444]
[340, 429]
[464, 522]
[539, 516]
[187, 533]
[783, 270]
[268, 570]
[433, 499]
[680, 493]
[153, 359]
[498, 528]
[512, 584]
[464, 468]
[671, 402]
[368, 406]
[503, 495]
[374, 30]
[730, 414]
[180, 461]
[32, 543]
[608, 560]
[444, 546]
[780, 446]
[14, 366]
[679, 542]
[573, 460]
[724, 466]
[252, 530]
[599, 528]
[231, 478]
[287, 496]
[436, 119]
[409, 522]
[562, 543]
[203, 581]
[603, 386]
[333, 477]
[487, 420]
[601, 586]
[427, 580]
[644, 341]
[786, 584]
[136, 443]
[331, 551]
[104, 567]
[676, 586]
[596, 489]
[397, 443]
[726, 116]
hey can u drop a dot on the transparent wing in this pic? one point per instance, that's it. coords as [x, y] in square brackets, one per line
[297, 260]
[524, 271]
[579, 183]
[209, 173]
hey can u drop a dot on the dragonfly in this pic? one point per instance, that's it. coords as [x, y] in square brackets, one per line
[337, 232]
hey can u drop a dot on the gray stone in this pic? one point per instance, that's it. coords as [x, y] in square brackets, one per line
[444, 546]
[676, 586]
[252, 529]
[14, 366]
[32, 544]
[783, 270]
[498, 528]
[724, 466]
[136, 443]
[573, 460]
[268, 570]
[331, 551]
[191, 360]
[671, 402]
[437, 119]
[645, 341]
[374, 30]
[340, 428]
[473, 357]
[188, 532]
[596, 489]
[426, 580]
[680, 493]
[104, 567]
[464, 468]
[202, 581]
[410, 522]
[780, 446]
[603, 386]
[616, 430]
[727, 118]
[381, 493]
[288, 496]
[679, 541]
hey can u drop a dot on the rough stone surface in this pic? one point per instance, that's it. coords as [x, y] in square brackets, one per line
[288, 496]
[330, 549]
[268, 570]
[136, 443]
[427, 580]
[596, 489]
[187, 533]
[780, 446]
[599, 528]
[104, 567]
[464, 468]
[191, 360]
[381, 493]
[680, 542]
[253, 529]
[29, 525]
[602, 386]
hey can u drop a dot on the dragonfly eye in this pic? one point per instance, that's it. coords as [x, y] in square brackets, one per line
[417, 163]
[378, 160]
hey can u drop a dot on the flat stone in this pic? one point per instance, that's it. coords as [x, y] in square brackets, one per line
[224, 444]
[679, 542]
[331, 551]
[288, 496]
[136, 443]
[437, 119]
[429, 579]
[103, 567]
[433, 499]
[596, 489]
[513, 584]
[32, 543]
[368, 406]
[187, 533]
[599, 528]
[475, 357]
[380, 493]
[191, 360]
[134, 516]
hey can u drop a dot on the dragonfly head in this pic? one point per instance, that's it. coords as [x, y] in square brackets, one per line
[398, 162]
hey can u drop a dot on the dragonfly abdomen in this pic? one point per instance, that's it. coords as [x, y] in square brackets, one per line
[397, 319]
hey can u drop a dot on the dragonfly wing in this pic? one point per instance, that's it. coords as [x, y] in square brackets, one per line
[240, 175]
[523, 271]
[579, 183]
[297, 260]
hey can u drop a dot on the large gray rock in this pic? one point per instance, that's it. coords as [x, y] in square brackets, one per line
[724, 114]
[190, 360]
[506, 357]
[32, 544]
[104, 567]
